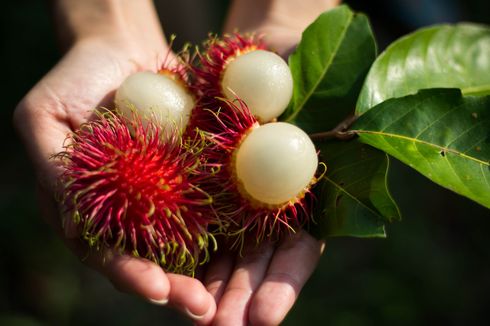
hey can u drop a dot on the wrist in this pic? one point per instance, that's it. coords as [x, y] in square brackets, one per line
[281, 21]
[77, 21]
[279, 12]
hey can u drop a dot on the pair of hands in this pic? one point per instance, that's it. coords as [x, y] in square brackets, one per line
[258, 287]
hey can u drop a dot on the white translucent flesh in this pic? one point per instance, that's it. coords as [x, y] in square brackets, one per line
[157, 97]
[263, 80]
[276, 162]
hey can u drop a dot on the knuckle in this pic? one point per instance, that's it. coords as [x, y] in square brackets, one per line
[239, 291]
[302, 242]
[285, 278]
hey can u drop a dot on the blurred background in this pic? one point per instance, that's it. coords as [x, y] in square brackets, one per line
[434, 267]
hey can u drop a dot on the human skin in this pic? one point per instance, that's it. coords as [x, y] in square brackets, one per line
[106, 41]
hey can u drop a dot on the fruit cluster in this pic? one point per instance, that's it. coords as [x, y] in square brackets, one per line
[192, 151]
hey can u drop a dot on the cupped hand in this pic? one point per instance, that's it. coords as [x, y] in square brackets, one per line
[84, 79]
[258, 287]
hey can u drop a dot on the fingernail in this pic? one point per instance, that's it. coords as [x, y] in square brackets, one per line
[322, 247]
[161, 302]
[194, 317]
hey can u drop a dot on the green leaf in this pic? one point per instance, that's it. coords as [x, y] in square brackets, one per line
[328, 68]
[353, 199]
[444, 56]
[438, 132]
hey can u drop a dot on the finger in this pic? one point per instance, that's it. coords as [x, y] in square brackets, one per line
[43, 134]
[133, 275]
[190, 296]
[218, 273]
[293, 262]
[247, 276]
[128, 274]
[138, 276]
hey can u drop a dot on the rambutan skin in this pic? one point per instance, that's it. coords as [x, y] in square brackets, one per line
[135, 190]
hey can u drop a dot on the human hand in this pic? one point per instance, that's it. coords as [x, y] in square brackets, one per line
[260, 286]
[86, 78]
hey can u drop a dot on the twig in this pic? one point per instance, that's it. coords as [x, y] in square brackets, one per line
[339, 132]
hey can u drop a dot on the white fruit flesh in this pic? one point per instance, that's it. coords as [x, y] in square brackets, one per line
[155, 96]
[263, 80]
[275, 163]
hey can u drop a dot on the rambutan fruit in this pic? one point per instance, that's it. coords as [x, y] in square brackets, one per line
[266, 173]
[164, 97]
[131, 188]
[237, 66]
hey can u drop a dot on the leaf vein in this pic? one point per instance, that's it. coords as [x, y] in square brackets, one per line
[467, 131]
[360, 162]
[360, 203]
[327, 68]
[410, 139]
[437, 120]
[469, 190]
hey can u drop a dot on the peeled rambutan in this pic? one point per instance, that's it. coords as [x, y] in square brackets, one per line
[163, 96]
[131, 188]
[212, 62]
[240, 66]
[265, 175]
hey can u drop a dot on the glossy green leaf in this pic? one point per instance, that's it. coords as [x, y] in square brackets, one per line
[353, 199]
[438, 132]
[328, 67]
[445, 56]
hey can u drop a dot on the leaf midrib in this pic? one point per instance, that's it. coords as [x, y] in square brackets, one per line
[328, 66]
[351, 196]
[475, 89]
[416, 140]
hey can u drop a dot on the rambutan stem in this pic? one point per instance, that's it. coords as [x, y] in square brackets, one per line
[341, 131]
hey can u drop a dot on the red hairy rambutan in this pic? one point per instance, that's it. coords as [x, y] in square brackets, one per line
[263, 181]
[131, 188]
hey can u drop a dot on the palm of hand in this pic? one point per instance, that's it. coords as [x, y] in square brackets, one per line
[259, 287]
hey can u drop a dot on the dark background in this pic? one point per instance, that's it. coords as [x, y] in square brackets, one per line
[434, 267]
